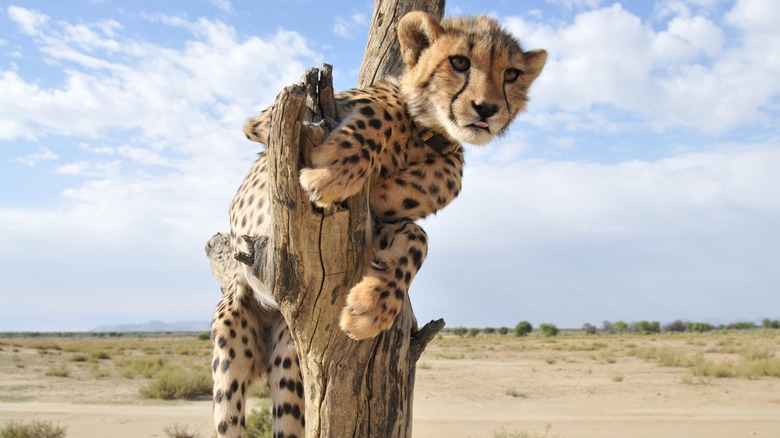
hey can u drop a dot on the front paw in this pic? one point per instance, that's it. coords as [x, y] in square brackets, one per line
[372, 306]
[321, 186]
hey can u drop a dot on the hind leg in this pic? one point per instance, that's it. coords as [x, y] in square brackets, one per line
[284, 378]
[373, 304]
[239, 333]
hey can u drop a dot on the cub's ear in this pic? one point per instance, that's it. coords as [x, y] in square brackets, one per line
[416, 31]
[534, 61]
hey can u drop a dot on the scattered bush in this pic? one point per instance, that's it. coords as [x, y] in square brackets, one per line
[488, 330]
[473, 332]
[260, 424]
[503, 330]
[548, 329]
[770, 324]
[60, 371]
[523, 328]
[169, 385]
[589, 328]
[205, 336]
[460, 331]
[260, 389]
[621, 327]
[503, 433]
[675, 326]
[178, 431]
[144, 367]
[512, 392]
[79, 358]
[608, 327]
[100, 355]
[648, 327]
[35, 429]
[699, 327]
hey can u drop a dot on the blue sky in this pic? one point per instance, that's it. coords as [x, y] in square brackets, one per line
[641, 184]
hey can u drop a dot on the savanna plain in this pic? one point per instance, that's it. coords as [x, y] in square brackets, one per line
[723, 383]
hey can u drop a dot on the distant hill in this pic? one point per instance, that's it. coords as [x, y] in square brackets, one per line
[157, 326]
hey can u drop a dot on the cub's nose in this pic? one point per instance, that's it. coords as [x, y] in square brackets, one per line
[484, 110]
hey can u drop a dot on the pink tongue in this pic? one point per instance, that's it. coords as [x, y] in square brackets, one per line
[481, 124]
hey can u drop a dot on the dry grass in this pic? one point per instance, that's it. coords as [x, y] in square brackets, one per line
[183, 384]
[730, 359]
[173, 366]
[34, 429]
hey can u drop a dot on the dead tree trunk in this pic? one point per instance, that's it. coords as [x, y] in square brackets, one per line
[383, 55]
[353, 388]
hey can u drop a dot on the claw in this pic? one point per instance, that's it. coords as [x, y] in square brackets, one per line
[379, 265]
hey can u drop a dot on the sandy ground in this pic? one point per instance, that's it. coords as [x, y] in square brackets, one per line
[464, 389]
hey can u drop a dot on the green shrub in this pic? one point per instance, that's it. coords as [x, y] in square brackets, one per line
[503, 330]
[699, 327]
[523, 328]
[169, 385]
[35, 429]
[260, 424]
[460, 331]
[648, 327]
[205, 336]
[676, 326]
[260, 389]
[548, 329]
[621, 326]
[100, 355]
[79, 358]
[144, 367]
[473, 331]
[60, 371]
[770, 324]
[512, 392]
[589, 328]
[488, 330]
[743, 326]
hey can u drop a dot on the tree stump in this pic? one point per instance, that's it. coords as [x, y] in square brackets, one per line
[313, 258]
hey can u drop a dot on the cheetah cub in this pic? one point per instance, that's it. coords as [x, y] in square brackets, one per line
[466, 80]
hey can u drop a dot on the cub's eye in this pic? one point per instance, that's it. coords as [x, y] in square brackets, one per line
[511, 75]
[460, 63]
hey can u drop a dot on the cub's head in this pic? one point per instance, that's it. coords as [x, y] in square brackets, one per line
[467, 77]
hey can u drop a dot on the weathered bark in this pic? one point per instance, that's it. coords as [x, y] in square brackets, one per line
[352, 388]
[383, 56]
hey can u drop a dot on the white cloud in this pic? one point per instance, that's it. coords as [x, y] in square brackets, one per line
[576, 4]
[684, 8]
[223, 5]
[29, 21]
[90, 169]
[159, 153]
[97, 37]
[636, 240]
[686, 38]
[350, 26]
[115, 83]
[564, 142]
[44, 154]
[687, 74]
[150, 152]
[757, 15]
[143, 156]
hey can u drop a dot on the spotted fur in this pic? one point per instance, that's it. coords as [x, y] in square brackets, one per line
[466, 79]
